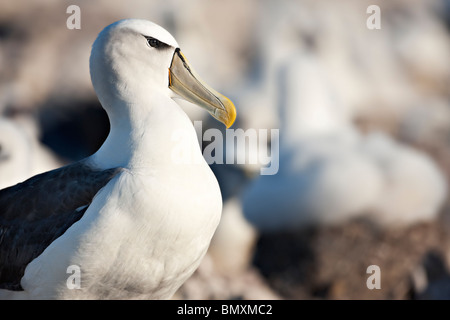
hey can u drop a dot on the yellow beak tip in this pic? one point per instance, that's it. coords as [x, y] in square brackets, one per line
[230, 112]
[231, 117]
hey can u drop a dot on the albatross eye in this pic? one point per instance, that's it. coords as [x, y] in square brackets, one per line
[153, 42]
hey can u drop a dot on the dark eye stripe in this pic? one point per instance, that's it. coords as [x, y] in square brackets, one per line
[155, 43]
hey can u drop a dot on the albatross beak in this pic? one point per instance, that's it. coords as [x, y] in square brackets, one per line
[184, 81]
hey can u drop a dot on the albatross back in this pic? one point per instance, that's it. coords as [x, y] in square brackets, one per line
[36, 212]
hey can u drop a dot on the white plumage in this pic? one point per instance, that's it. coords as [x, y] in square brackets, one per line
[147, 229]
[329, 172]
[22, 155]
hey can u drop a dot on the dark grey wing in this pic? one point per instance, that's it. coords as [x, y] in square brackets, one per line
[36, 212]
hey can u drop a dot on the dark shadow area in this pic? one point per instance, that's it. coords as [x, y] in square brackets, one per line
[287, 261]
[76, 131]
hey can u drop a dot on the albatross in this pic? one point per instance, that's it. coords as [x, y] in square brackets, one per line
[132, 219]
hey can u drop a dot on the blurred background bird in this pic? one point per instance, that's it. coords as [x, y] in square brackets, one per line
[364, 132]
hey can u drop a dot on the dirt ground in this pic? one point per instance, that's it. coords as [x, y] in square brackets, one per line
[331, 263]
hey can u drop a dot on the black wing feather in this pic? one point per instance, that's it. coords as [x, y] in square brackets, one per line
[36, 212]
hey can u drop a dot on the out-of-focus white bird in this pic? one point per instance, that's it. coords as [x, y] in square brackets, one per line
[233, 243]
[21, 153]
[414, 188]
[329, 172]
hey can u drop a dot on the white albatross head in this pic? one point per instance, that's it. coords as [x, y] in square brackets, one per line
[133, 60]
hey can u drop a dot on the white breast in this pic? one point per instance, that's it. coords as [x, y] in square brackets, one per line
[143, 246]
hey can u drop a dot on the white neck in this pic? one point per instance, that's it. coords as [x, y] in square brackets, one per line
[148, 136]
